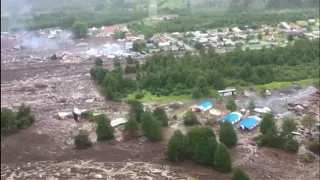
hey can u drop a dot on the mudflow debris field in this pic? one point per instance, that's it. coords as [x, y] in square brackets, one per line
[45, 150]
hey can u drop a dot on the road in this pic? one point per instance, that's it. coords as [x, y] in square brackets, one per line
[188, 47]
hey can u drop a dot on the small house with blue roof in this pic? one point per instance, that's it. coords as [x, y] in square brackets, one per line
[232, 118]
[250, 122]
[204, 106]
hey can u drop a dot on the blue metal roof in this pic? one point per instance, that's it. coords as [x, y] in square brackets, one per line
[206, 104]
[249, 122]
[229, 118]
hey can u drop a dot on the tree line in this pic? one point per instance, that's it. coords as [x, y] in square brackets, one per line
[163, 75]
[211, 19]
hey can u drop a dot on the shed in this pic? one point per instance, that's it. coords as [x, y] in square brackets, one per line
[232, 118]
[262, 109]
[227, 92]
[250, 122]
[204, 106]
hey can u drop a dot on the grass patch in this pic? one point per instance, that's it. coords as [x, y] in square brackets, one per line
[277, 85]
[148, 97]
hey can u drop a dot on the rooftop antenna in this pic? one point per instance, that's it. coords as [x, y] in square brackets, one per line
[153, 8]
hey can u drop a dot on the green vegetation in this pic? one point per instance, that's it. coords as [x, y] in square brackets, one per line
[131, 129]
[12, 122]
[201, 144]
[239, 174]
[272, 138]
[150, 127]
[79, 29]
[227, 135]
[222, 160]
[308, 122]
[314, 146]
[166, 75]
[190, 119]
[104, 130]
[82, 141]
[161, 115]
[176, 148]
[231, 105]
[216, 19]
[66, 19]
[98, 62]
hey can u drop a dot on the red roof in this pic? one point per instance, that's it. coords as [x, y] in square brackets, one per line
[110, 29]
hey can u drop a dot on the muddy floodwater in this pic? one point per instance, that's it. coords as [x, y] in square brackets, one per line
[277, 101]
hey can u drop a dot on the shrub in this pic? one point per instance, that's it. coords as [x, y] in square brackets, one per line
[82, 141]
[211, 122]
[11, 121]
[227, 135]
[190, 119]
[161, 115]
[150, 127]
[201, 144]
[176, 148]
[131, 129]
[291, 145]
[87, 115]
[79, 29]
[136, 110]
[314, 146]
[267, 122]
[104, 130]
[98, 62]
[139, 95]
[239, 174]
[222, 160]
[231, 105]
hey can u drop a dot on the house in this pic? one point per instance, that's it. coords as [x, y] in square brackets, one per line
[236, 30]
[232, 118]
[204, 106]
[174, 48]
[110, 30]
[129, 45]
[250, 122]
[163, 44]
[227, 92]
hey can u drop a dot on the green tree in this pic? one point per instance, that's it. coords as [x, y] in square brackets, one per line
[290, 37]
[8, 121]
[222, 160]
[161, 115]
[79, 29]
[119, 35]
[190, 119]
[239, 174]
[138, 46]
[82, 141]
[136, 110]
[104, 130]
[231, 105]
[98, 62]
[176, 148]
[308, 122]
[291, 145]
[131, 129]
[251, 105]
[267, 122]
[150, 127]
[259, 36]
[227, 135]
[288, 126]
[201, 144]
[198, 46]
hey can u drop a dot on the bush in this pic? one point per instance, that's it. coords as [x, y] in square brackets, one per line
[190, 119]
[176, 148]
[227, 135]
[239, 174]
[291, 145]
[131, 129]
[314, 146]
[82, 141]
[79, 29]
[139, 95]
[11, 121]
[104, 130]
[211, 122]
[161, 115]
[267, 122]
[231, 105]
[222, 160]
[87, 115]
[201, 144]
[150, 127]
[136, 110]
[98, 62]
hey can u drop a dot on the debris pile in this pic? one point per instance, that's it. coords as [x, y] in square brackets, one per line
[66, 57]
